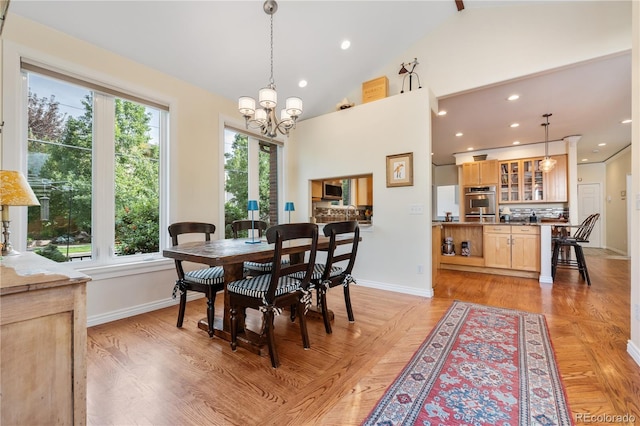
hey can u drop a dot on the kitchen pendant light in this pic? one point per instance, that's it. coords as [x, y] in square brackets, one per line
[548, 163]
[264, 118]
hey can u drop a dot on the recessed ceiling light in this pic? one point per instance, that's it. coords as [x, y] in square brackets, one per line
[516, 142]
[459, 134]
[470, 149]
[513, 97]
[442, 112]
[595, 151]
[512, 125]
[627, 121]
[345, 44]
[602, 144]
[302, 83]
[584, 159]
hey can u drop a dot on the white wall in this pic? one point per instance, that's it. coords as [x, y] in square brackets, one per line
[357, 141]
[617, 169]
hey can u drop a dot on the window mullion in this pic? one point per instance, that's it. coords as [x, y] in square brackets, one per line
[103, 176]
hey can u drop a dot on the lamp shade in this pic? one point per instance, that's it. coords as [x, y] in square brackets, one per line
[15, 190]
[289, 207]
[252, 205]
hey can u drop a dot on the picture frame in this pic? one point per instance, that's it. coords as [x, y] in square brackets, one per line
[400, 170]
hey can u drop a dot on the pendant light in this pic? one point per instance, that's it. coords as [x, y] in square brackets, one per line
[548, 163]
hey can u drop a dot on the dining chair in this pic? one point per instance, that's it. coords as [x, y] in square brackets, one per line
[252, 268]
[329, 274]
[270, 293]
[206, 280]
[562, 245]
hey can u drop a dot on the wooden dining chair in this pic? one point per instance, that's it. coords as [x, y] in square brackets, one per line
[237, 226]
[270, 293]
[206, 280]
[331, 274]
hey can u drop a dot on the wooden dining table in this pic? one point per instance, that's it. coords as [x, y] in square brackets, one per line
[231, 254]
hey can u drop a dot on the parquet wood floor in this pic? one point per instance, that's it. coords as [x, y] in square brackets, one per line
[144, 370]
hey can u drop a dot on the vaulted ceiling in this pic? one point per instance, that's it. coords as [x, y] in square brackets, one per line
[223, 46]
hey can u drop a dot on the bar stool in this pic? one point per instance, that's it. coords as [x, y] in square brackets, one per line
[566, 242]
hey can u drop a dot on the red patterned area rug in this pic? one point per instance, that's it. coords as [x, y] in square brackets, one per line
[479, 366]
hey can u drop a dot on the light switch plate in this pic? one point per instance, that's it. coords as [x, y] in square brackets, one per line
[416, 209]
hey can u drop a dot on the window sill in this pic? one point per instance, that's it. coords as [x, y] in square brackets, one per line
[103, 272]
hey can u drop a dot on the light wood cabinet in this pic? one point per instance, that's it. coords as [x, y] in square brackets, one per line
[555, 181]
[480, 173]
[512, 247]
[522, 181]
[44, 342]
[364, 191]
[316, 190]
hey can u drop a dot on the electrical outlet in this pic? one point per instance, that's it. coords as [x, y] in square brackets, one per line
[420, 269]
[637, 311]
[416, 209]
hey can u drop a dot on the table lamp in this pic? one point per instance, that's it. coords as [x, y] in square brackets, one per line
[252, 206]
[14, 191]
[289, 207]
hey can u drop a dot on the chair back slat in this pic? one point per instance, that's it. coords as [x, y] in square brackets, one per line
[584, 231]
[280, 234]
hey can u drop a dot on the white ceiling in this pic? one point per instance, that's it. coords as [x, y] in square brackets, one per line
[223, 46]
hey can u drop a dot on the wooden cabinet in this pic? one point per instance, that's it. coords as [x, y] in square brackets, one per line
[364, 191]
[555, 181]
[512, 247]
[316, 190]
[522, 181]
[44, 342]
[480, 173]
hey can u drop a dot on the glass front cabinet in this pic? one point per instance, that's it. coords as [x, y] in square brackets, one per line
[521, 181]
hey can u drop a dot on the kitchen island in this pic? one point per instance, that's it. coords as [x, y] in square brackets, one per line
[517, 249]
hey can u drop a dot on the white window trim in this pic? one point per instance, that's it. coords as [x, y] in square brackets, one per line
[14, 154]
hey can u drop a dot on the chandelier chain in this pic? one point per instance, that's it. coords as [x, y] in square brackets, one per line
[271, 81]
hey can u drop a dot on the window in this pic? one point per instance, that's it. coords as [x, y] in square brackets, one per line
[93, 160]
[251, 173]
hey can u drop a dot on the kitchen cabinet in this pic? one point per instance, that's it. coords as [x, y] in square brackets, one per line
[555, 181]
[480, 173]
[512, 247]
[44, 342]
[521, 180]
[364, 191]
[316, 190]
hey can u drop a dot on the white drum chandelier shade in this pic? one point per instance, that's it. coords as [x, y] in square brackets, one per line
[264, 116]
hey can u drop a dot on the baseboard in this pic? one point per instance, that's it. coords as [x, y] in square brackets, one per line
[137, 310]
[165, 303]
[634, 351]
[427, 292]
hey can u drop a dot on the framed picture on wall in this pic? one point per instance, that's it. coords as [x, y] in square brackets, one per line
[400, 170]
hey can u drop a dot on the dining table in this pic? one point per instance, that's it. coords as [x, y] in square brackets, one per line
[231, 253]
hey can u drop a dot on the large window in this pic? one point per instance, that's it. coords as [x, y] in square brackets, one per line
[94, 163]
[251, 173]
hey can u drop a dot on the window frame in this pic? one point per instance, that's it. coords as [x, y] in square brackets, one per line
[14, 157]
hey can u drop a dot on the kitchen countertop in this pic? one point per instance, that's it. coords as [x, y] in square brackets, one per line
[559, 223]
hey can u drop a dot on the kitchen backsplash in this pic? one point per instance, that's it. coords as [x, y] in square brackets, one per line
[523, 213]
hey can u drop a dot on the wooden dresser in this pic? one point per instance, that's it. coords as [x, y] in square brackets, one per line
[43, 342]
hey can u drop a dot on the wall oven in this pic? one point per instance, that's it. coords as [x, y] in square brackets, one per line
[480, 203]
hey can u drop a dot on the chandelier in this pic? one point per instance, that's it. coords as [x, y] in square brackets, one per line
[264, 117]
[548, 163]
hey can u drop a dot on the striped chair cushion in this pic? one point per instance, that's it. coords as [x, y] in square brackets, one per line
[257, 286]
[318, 270]
[207, 276]
[261, 267]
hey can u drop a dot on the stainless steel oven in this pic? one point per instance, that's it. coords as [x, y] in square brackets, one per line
[480, 203]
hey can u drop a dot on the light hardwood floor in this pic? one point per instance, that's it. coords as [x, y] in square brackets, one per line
[144, 370]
